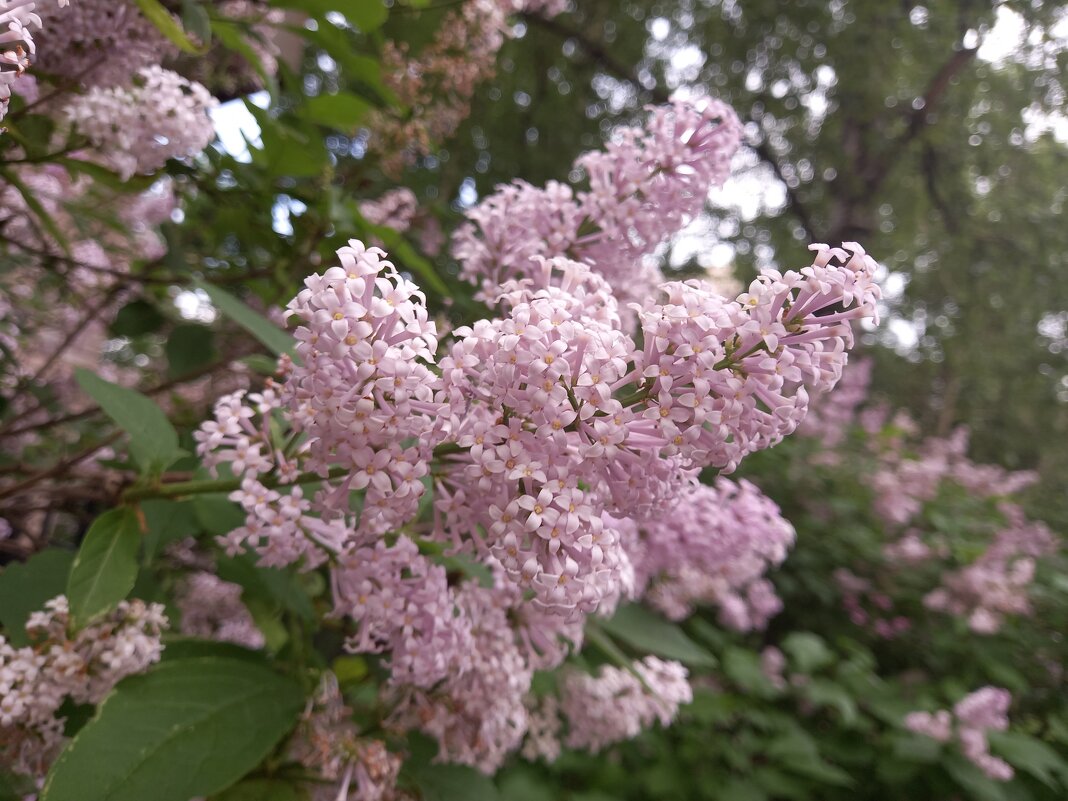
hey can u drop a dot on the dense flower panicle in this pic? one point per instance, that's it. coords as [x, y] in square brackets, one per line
[547, 370]
[98, 43]
[438, 82]
[138, 126]
[477, 714]
[401, 604]
[282, 525]
[35, 680]
[363, 393]
[726, 378]
[998, 582]
[906, 480]
[17, 21]
[714, 547]
[644, 187]
[211, 608]
[616, 704]
[328, 742]
[984, 710]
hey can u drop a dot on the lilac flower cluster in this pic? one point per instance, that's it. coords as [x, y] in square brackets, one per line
[997, 583]
[642, 188]
[363, 393]
[399, 210]
[17, 19]
[614, 705]
[98, 42]
[211, 608]
[984, 710]
[401, 603]
[137, 127]
[435, 85]
[726, 378]
[714, 548]
[328, 742]
[35, 680]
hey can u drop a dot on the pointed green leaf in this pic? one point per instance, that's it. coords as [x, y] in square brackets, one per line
[105, 569]
[153, 440]
[187, 728]
[277, 340]
[166, 23]
[24, 588]
[647, 631]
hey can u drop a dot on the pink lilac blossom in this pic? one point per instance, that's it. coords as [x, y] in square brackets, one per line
[363, 394]
[280, 525]
[905, 481]
[547, 370]
[35, 680]
[328, 742]
[402, 604]
[996, 585]
[477, 714]
[17, 18]
[643, 187]
[773, 666]
[980, 712]
[435, 85]
[615, 704]
[137, 127]
[727, 378]
[98, 43]
[211, 608]
[713, 548]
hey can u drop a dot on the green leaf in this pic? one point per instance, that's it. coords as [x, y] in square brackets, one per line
[262, 790]
[217, 514]
[153, 440]
[1030, 755]
[105, 569]
[187, 728]
[808, 651]
[286, 151]
[648, 632]
[135, 319]
[167, 522]
[189, 347]
[368, 16]
[823, 692]
[168, 25]
[277, 340]
[196, 20]
[24, 588]
[342, 111]
[268, 584]
[451, 783]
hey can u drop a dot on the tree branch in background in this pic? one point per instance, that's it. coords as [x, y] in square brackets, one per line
[595, 50]
[793, 200]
